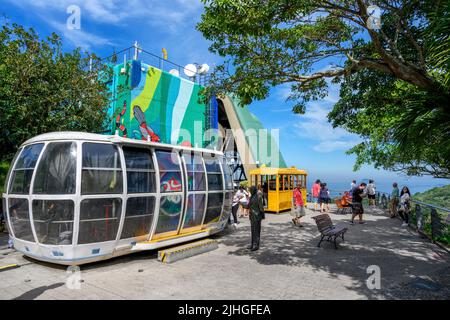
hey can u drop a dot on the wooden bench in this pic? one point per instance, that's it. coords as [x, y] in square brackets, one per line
[328, 230]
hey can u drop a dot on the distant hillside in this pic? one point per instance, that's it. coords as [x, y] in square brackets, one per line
[438, 196]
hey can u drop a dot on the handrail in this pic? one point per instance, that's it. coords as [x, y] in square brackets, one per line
[412, 200]
[116, 53]
[422, 203]
[201, 79]
[431, 224]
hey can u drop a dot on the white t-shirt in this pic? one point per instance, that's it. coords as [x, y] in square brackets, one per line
[243, 196]
[371, 189]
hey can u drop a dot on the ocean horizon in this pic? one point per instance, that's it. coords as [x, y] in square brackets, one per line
[338, 187]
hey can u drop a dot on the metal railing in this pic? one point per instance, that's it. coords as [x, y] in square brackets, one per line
[135, 52]
[428, 220]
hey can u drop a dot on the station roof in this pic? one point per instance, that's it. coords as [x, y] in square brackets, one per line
[272, 171]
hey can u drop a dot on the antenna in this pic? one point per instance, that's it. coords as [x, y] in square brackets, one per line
[136, 50]
[174, 72]
[203, 69]
[190, 70]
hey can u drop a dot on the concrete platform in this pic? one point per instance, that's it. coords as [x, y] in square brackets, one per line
[289, 265]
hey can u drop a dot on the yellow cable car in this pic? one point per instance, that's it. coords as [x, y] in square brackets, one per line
[278, 185]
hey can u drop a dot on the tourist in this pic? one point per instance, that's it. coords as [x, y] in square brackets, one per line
[357, 206]
[298, 209]
[405, 206]
[394, 200]
[234, 208]
[324, 197]
[346, 199]
[265, 193]
[246, 199]
[260, 191]
[315, 193]
[352, 186]
[243, 200]
[371, 192]
[256, 213]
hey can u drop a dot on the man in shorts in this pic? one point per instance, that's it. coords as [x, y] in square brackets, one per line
[297, 210]
[357, 206]
[315, 193]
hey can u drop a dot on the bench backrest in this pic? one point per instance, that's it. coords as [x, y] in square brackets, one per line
[323, 222]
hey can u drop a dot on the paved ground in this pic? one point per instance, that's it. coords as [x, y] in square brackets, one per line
[289, 265]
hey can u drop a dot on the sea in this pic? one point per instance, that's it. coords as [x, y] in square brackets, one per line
[338, 187]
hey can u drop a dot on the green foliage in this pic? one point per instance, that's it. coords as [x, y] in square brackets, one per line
[244, 184]
[44, 89]
[401, 127]
[4, 167]
[395, 91]
[438, 42]
[439, 196]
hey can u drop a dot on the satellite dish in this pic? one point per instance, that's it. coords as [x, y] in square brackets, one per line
[190, 70]
[174, 72]
[204, 68]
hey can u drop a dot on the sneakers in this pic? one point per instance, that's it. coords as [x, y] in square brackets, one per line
[404, 224]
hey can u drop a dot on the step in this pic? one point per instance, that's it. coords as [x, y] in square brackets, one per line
[187, 250]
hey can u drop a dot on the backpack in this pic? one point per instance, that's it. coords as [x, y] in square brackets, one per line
[323, 193]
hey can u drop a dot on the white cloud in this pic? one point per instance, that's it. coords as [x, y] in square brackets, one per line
[164, 13]
[314, 125]
[273, 109]
[333, 93]
[283, 91]
[170, 18]
[80, 38]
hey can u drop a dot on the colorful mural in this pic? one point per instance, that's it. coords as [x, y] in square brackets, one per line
[155, 105]
[152, 104]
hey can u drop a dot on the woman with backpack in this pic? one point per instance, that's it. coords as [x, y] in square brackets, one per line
[324, 197]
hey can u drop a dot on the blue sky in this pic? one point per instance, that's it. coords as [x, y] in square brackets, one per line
[306, 141]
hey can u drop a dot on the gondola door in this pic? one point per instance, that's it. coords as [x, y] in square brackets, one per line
[194, 193]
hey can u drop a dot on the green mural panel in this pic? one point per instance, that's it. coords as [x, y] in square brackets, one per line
[160, 108]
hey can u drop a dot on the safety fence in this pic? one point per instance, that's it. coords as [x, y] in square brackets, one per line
[430, 221]
[427, 219]
[136, 52]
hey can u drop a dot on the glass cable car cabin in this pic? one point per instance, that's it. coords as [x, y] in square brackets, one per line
[278, 185]
[73, 198]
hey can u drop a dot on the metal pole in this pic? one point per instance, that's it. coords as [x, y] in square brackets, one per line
[419, 218]
[135, 50]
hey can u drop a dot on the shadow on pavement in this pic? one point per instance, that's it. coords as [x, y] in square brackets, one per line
[401, 255]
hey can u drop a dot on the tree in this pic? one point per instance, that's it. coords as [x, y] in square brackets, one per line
[44, 89]
[399, 67]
